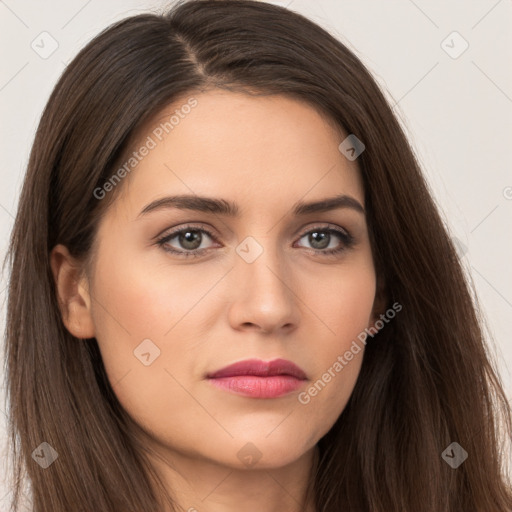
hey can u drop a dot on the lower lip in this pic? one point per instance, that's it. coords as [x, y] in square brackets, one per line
[258, 387]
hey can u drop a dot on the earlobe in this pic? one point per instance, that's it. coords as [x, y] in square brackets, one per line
[72, 293]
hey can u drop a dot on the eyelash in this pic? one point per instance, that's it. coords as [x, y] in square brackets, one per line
[346, 238]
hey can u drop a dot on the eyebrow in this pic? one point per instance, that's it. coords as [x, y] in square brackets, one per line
[231, 209]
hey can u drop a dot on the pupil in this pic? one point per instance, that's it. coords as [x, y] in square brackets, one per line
[189, 240]
[324, 242]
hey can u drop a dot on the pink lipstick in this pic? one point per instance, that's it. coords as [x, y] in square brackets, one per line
[259, 379]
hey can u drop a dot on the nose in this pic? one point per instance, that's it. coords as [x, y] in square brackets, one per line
[264, 297]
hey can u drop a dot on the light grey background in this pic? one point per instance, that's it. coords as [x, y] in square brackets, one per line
[456, 111]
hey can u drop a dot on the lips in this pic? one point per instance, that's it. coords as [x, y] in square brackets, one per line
[259, 368]
[259, 379]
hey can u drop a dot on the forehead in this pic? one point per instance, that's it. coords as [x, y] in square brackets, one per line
[265, 151]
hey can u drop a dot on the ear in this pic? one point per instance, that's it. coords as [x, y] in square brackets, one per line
[72, 293]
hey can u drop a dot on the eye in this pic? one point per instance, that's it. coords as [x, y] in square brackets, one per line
[190, 239]
[323, 240]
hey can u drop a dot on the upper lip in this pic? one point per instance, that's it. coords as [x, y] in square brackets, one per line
[260, 368]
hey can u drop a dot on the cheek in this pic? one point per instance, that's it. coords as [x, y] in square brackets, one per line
[140, 311]
[344, 308]
[128, 309]
[133, 309]
[342, 301]
[328, 393]
[136, 298]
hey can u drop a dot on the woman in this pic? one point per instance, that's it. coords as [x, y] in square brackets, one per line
[231, 288]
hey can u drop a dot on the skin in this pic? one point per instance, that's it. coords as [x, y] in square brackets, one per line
[264, 153]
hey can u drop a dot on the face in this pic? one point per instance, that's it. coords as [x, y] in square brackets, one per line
[178, 293]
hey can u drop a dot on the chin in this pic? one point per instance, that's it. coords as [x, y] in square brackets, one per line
[266, 453]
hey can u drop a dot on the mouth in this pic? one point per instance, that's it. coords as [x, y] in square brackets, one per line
[259, 379]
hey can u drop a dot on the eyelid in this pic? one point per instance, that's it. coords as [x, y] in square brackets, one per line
[347, 240]
[303, 230]
[181, 227]
[322, 226]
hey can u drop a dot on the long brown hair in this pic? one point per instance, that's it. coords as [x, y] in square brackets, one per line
[427, 379]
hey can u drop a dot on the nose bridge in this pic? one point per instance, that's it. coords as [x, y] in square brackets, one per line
[261, 262]
[264, 296]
